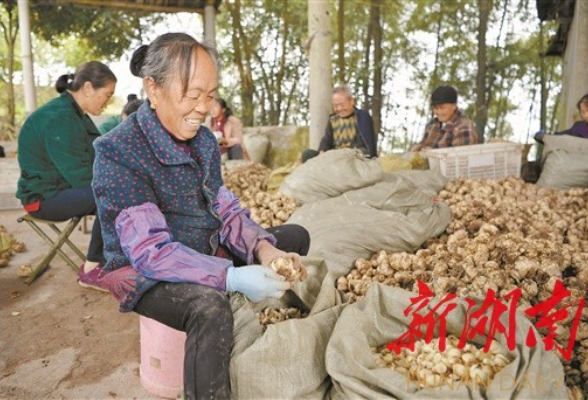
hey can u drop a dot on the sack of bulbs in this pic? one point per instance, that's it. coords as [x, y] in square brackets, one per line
[360, 366]
[279, 349]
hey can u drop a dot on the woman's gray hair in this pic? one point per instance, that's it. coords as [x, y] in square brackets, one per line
[168, 55]
[343, 88]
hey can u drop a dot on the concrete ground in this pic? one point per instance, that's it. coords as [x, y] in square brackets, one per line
[59, 340]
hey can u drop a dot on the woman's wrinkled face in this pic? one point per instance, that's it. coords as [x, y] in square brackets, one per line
[584, 111]
[180, 113]
[98, 99]
[216, 109]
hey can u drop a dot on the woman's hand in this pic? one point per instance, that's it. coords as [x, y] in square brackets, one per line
[266, 253]
[230, 142]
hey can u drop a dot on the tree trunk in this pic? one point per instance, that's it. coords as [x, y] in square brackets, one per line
[291, 95]
[543, 111]
[341, 40]
[554, 114]
[243, 61]
[435, 77]
[263, 113]
[378, 55]
[553, 120]
[502, 110]
[481, 118]
[492, 74]
[266, 99]
[275, 118]
[11, 96]
[319, 69]
[539, 147]
[366, 62]
[10, 35]
[294, 77]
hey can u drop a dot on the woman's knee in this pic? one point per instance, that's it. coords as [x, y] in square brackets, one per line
[303, 239]
[220, 307]
[236, 152]
[80, 201]
[212, 306]
[293, 238]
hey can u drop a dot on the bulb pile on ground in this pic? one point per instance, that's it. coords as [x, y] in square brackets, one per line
[270, 209]
[248, 183]
[8, 246]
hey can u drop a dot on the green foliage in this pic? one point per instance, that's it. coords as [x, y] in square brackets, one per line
[513, 61]
[265, 65]
[4, 20]
[66, 36]
[270, 47]
[102, 34]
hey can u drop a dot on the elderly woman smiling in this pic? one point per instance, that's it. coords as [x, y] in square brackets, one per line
[173, 234]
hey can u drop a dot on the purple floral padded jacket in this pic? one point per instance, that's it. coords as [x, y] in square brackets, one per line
[164, 210]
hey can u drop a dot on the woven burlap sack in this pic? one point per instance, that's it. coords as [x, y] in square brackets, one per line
[428, 181]
[563, 170]
[392, 215]
[564, 165]
[568, 143]
[331, 174]
[287, 360]
[256, 146]
[379, 318]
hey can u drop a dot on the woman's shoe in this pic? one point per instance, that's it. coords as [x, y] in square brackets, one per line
[91, 280]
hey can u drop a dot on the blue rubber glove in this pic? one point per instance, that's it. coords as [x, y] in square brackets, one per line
[256, 282]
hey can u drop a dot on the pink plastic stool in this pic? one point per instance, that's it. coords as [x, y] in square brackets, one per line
[162, 358]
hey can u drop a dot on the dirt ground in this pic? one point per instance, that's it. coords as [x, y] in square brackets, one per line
[65, 342]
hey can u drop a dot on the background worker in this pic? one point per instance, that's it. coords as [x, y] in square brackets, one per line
[229, 130]
[449, 127]
[348, 127]
[56, 155]
[133, 103]
[579, 129]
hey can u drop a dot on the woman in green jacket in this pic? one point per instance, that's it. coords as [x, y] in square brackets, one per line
[56, 155]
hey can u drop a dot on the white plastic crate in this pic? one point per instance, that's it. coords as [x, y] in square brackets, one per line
[490, 160]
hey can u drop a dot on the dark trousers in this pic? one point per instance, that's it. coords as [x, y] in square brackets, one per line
[71, 203]
[205, 315]
[236, 152]
[308, 154]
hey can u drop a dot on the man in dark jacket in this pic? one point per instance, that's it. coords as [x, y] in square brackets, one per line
[348, 127]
